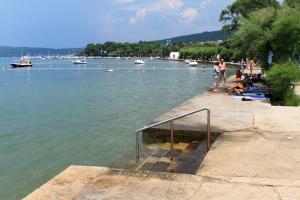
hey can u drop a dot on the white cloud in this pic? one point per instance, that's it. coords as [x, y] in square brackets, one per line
[163, 5]
[157, 6]
[204, 3]
[140, 15]
[189, 15]
[124, 2]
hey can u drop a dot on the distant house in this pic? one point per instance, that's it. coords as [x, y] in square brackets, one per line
[174, 55]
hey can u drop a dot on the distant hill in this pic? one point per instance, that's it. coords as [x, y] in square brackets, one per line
[6, 51]
[198, 37]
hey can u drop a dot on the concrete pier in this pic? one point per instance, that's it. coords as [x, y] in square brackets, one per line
[257, 156]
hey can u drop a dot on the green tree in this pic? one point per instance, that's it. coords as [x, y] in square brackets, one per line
[292, 3]
[252, 40]
[231, 16]
[285, 35]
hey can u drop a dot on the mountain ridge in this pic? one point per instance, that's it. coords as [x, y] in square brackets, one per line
[9, 51]
[197, 37]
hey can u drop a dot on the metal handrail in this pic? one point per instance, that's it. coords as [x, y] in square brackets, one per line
[171, 120]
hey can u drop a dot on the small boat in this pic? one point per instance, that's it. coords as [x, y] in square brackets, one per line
[139, 62]
[187, 61]
[193, 63]
[79, 61]
[24, 62]
[109, 70]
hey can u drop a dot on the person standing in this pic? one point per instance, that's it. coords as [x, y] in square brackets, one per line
[252, 65]
[216, 75]
[243, 65]
[222, 66]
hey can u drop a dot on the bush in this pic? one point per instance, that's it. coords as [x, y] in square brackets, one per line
[292, 100]
[206, 52]
[279, 77]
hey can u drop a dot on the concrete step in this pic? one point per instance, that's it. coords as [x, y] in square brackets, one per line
[187, 158]
[188, 162]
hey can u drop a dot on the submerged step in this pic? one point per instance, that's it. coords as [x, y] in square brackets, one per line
[187, 158]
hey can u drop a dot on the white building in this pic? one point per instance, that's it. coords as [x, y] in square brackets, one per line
[174, 55]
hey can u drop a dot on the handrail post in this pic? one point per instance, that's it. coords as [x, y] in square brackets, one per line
[208, 129]
[137, 147]
[172, 138]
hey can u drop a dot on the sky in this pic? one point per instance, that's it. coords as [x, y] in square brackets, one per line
[75, 23]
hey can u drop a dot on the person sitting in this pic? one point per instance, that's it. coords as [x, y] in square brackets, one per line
[238, 74]
[237, 88]
[240, 86]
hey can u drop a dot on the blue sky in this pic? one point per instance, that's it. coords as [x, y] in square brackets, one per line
[74, 23]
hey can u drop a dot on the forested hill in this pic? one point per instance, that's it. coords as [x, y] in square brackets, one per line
[6, 51]
[199, 37]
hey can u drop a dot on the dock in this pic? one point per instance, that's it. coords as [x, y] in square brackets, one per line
[255, 156]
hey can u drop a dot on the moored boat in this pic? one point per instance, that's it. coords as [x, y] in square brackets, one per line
[109, 70]
[79, 61]
[139, 62]
[193, 63]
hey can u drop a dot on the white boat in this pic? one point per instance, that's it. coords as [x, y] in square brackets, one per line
[193, 63]
[139, 62]
[24, 62]
[187, 61]
[79, 61]
[109, 70]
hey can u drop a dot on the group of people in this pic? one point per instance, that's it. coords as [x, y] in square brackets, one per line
[243, 80]
[250, 64]
[219, 73]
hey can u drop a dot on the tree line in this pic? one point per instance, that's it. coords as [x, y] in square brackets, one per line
[140, 49]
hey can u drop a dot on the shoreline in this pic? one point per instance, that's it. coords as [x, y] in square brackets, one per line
[201, 62]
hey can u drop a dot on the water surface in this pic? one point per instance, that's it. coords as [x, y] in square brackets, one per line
[58, 114]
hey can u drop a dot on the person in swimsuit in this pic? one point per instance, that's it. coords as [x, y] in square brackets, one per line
[222, 66]
[237, 88]
[238, 74]
[216, 75]
[252, 65]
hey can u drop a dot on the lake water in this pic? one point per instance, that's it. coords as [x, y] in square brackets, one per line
[58, 114]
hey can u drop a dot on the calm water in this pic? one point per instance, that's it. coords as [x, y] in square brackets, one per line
[57, 114]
